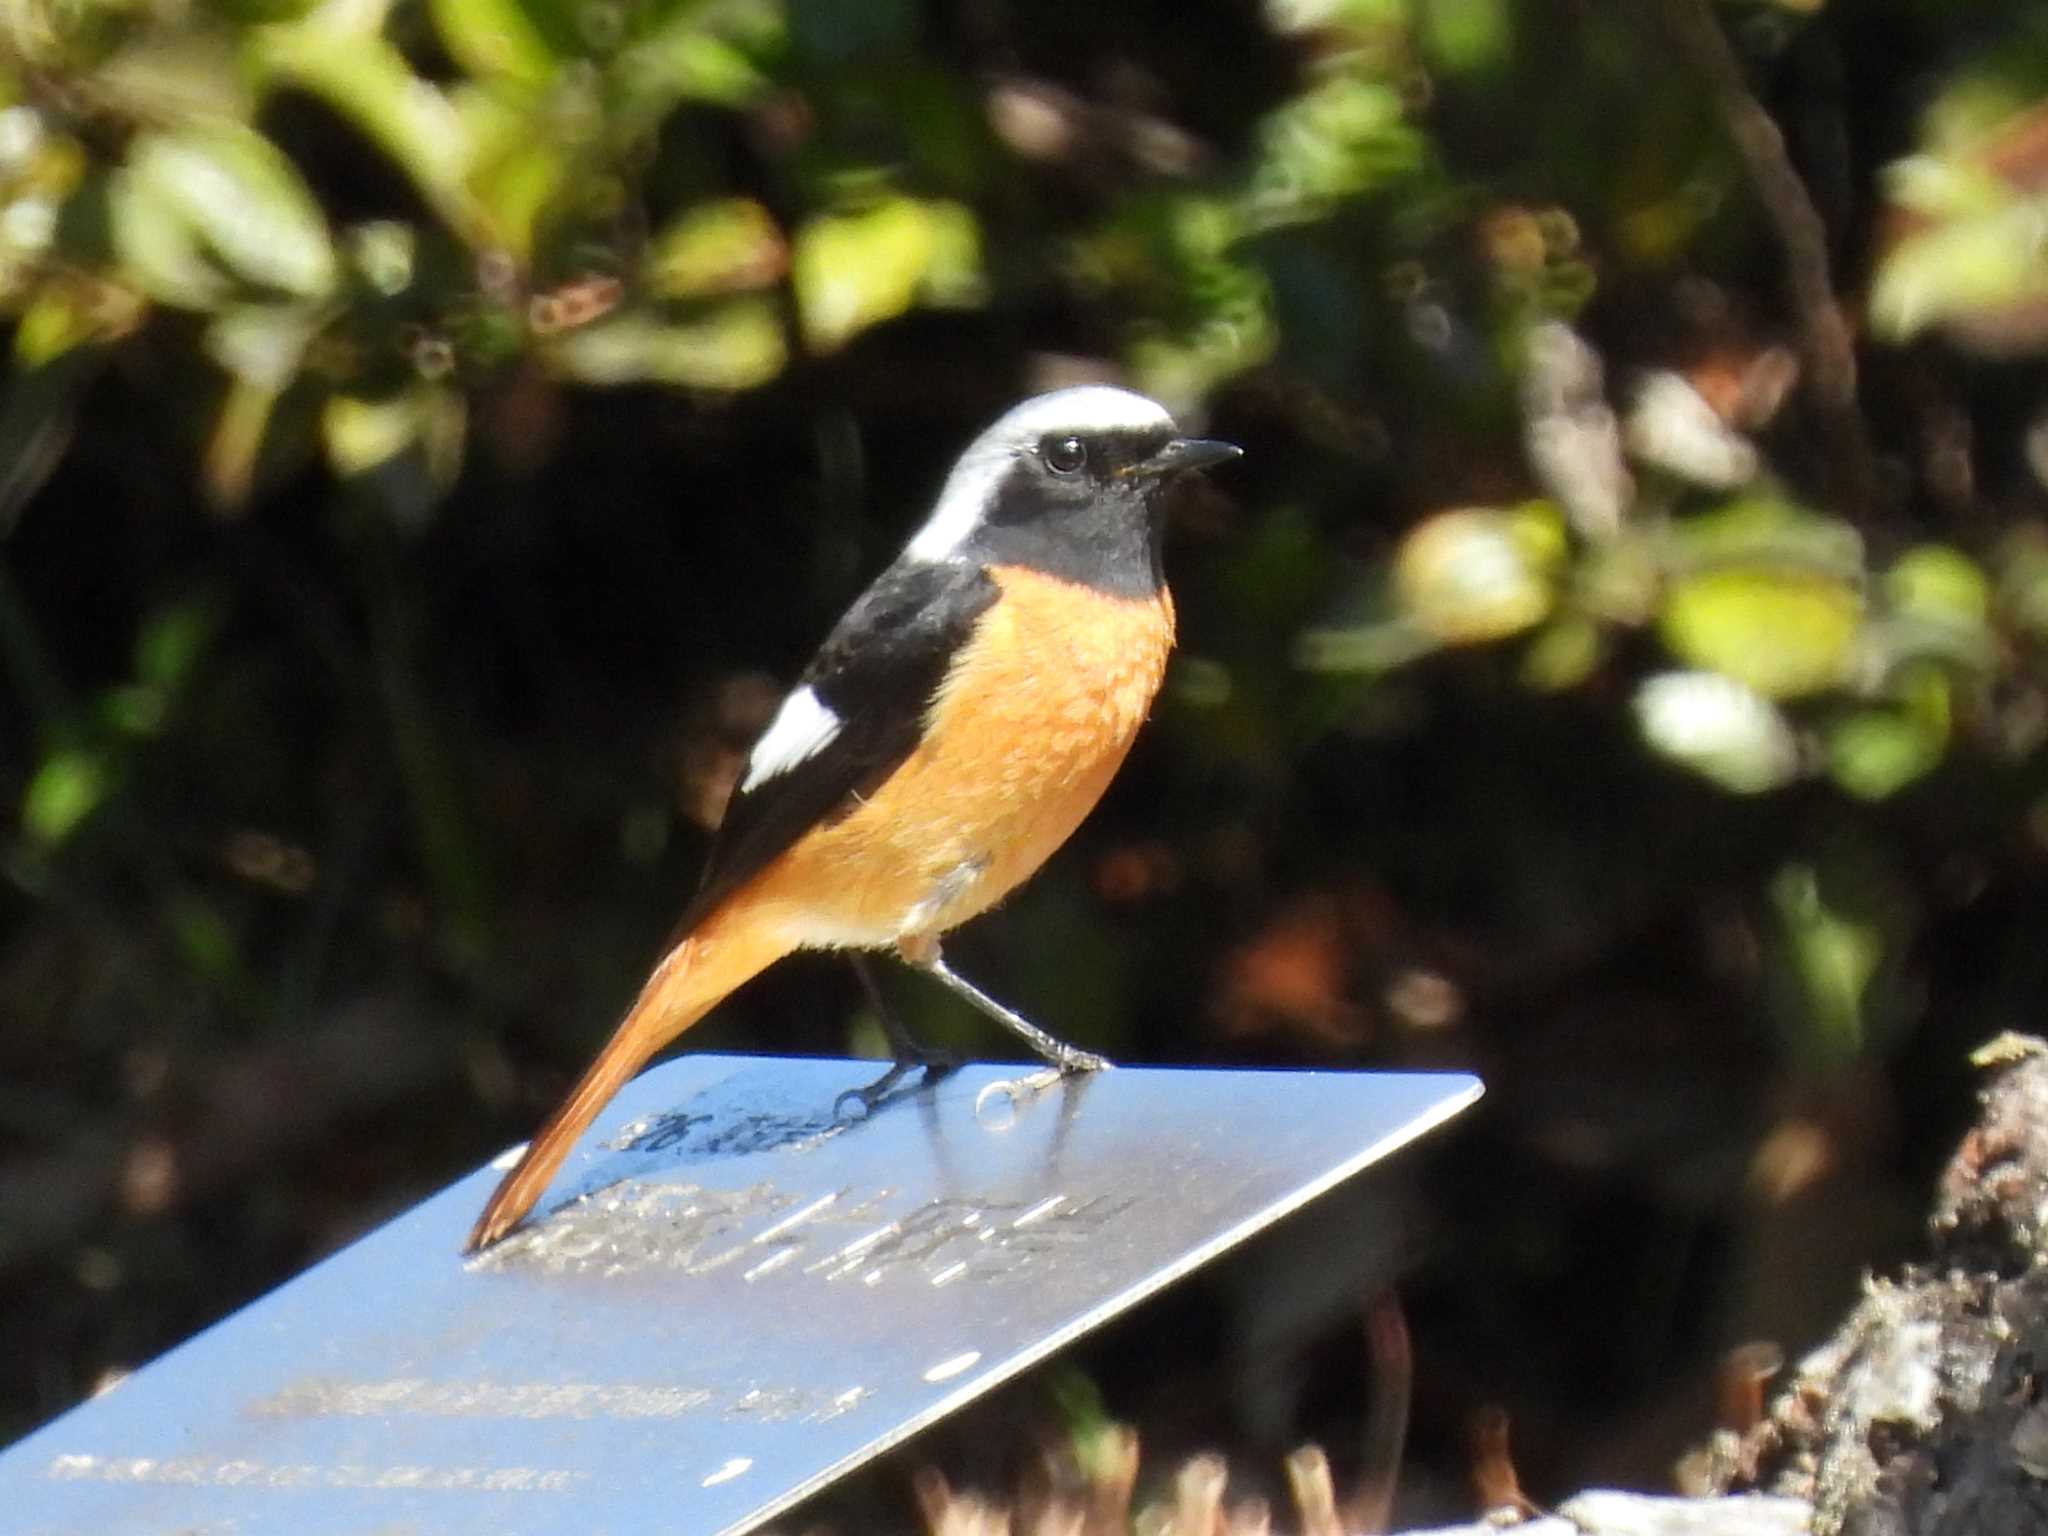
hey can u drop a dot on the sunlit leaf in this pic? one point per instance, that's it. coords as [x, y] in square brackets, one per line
[1718, 728]
[1875, 753]
[159, 249]
[1342, 138]
[368, 81]
[1782, 631]
[683, 61]
[725, 246]
[494, 38]
[223, 193]
[1466, 36]
[66, 787]
[1767, 593]
[51, 326]
[1368, 647]
[1938, 582]
[1959, 269]
[401, 451]
[1671, 426]
[167, 75]
[1763, 529]
[361, 434]
[1834, 953]
[1480, 573]
[261, 344]
[855, 270]
[953, 272]
[1940, 187]
[738, 345]
[384, 252]
[516, 188]
[228, 465]
[1563, 654]
[1939, 605]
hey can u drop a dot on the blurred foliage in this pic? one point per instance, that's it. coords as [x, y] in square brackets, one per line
[431, 422]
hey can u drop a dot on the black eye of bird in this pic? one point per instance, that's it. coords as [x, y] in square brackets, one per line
[1064, 455]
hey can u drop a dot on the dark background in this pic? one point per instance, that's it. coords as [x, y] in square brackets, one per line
[409, 515]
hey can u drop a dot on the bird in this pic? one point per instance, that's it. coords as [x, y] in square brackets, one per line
[953, 729]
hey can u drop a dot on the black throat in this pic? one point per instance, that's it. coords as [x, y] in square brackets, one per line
[1102, 533]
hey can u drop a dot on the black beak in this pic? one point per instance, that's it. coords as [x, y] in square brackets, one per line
[1186, 453]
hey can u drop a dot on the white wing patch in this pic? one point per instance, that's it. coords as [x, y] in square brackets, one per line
[1085, 408]
[801, 729]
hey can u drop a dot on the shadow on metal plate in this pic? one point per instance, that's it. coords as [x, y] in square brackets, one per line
[734, 1293]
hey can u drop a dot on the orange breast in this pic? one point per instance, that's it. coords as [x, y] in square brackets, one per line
[1032, 723]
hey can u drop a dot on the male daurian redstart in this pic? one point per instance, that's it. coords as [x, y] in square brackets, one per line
[954, 728]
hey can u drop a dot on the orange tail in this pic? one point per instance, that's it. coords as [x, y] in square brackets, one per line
[692, 979]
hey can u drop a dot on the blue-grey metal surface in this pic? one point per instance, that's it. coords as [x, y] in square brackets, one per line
[735, 1297]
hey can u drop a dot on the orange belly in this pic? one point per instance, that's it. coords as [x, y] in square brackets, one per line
[1034, 720]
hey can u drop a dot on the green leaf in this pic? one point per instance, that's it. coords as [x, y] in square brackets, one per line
[727, 245]
[261, 344]
[159, 248]
[172, 641]
[2022, 566]
[1563, 654]
[1719, 729]
[683, 61]
[494, 39]
[1875, 753]
[364, 434]
[1342, 138]
[1834, 955]
[1467, 36]
[367, 80]
[234, 447]
[1782, 631]
[205, 938]
[1959, 269]
[1766, 530]
[66, 788]
[1940, 584]
[518, 174]
[1939, 608]
[1480, 573]
[855, 270]
[218, 193]
[738, 345]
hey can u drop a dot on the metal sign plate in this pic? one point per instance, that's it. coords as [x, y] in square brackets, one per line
[737, 1296]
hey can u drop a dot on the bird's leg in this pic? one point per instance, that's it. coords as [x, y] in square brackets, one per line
[907, 1050]
[908, 1053]
[924, 954]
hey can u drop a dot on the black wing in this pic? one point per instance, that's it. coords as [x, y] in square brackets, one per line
[877, 671]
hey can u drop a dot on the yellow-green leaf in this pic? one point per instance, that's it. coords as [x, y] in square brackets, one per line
[1960, 269]
[855, 270]
[224, 192]
[494, 38]
[1875, 753]
[728, 245]
[67, 787]
[1480, 573]
[1784, 631]
[367, 80]
[1940, 584]
[738, 345]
